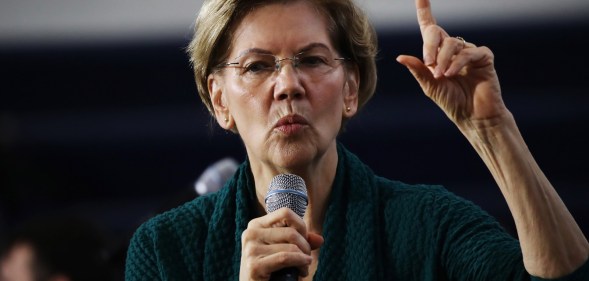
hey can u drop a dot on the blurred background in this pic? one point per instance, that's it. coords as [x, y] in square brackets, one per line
[99, 114]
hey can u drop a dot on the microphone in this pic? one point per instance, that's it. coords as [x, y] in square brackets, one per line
[215, 176]
[287, 190]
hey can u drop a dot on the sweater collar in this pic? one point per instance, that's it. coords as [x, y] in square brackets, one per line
[350, 248]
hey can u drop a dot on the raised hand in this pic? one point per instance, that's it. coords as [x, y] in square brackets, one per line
[458, 76]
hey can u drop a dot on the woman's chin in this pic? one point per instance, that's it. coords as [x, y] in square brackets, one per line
[294, 156]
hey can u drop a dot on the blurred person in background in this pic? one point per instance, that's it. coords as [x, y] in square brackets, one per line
[55, 249]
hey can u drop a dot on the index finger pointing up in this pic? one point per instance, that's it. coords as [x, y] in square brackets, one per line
[424, 14]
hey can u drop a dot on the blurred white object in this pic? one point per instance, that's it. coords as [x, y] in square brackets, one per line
[215, 176]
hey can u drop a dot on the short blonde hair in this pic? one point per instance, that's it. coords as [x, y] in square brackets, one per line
[351, 33]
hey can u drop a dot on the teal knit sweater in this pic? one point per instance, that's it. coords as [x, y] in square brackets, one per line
[375, 229]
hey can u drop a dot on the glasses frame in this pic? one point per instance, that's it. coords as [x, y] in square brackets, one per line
[278, 61]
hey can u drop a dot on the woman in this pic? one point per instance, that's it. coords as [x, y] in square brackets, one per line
[285, 76]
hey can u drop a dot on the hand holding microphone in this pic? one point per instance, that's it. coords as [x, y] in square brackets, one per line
[277, 246]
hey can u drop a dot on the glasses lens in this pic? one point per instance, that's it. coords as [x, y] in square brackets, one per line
[316, 63]
[255, 68]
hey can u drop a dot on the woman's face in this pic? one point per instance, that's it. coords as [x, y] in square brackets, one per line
[290, 117]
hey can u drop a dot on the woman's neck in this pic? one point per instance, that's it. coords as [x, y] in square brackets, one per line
[318, 176]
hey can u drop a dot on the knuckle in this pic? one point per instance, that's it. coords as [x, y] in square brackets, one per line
[252, 224]
[247, 250]
[432, 29]
[256, 269]
[282, 258]
[487, 50]
[245, 234]
[293, 248]
[292, 235]
[248, 235]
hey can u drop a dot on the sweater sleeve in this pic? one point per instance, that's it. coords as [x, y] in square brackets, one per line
[475, 247]
[580, 274]
[170, 246]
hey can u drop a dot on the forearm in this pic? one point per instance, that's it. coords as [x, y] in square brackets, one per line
[551, 241]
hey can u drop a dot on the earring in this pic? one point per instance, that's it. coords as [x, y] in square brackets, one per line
[348, 109]
[226, 119]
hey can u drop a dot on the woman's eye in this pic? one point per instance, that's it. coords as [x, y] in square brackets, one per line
[312, 61]
[258, 66]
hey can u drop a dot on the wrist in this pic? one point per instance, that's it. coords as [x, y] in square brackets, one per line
[489, 130]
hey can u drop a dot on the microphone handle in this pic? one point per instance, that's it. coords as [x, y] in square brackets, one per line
[285, 274]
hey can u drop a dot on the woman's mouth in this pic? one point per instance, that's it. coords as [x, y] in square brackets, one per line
[291, 124]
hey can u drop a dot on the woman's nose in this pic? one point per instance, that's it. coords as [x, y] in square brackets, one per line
[288, 83]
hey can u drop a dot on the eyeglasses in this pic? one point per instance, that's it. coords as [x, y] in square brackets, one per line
[254, 68]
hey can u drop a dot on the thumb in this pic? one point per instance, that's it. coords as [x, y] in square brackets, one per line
[420, 71]
[315, 240]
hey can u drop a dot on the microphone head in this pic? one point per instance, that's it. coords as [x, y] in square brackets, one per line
[287, 190]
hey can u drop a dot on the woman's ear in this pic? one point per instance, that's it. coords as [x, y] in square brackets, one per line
[219, 102]
[351, 92]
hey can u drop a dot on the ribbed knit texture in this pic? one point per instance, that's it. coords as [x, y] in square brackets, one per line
[375, 229]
